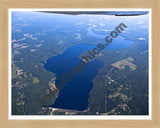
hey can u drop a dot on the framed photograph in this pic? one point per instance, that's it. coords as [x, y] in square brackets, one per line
[82, 64]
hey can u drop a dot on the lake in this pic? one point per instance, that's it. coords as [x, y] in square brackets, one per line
[75, 94]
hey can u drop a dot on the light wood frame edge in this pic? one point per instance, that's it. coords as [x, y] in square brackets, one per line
[6, 4]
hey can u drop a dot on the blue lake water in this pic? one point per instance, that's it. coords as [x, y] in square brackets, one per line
[75, 93]
[117, 43]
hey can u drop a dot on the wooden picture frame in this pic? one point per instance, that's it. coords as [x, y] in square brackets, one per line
[5, 5]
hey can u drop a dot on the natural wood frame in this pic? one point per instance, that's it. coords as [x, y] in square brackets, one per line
[4, 39]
